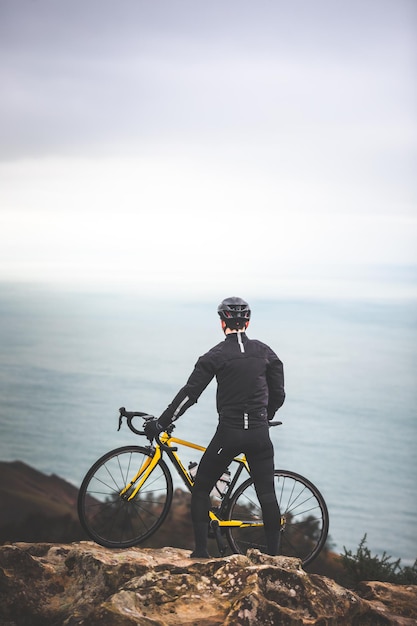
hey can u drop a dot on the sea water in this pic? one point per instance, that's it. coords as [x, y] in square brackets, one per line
[68, 361]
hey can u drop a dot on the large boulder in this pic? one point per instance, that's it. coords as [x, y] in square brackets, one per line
[83, 583]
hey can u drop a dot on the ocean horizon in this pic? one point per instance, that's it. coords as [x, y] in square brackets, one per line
[70, 360]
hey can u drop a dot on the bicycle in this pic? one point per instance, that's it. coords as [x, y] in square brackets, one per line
[127, 493]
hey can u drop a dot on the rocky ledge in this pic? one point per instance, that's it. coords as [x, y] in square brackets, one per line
[83, 583]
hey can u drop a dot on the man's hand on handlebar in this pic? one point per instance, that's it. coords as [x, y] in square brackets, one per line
[152, 429]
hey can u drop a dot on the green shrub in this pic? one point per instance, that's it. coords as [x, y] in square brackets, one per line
[364, 566]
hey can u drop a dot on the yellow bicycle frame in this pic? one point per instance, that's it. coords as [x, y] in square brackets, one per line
[150, 463]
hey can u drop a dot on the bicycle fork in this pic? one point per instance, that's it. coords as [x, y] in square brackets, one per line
[144, 471]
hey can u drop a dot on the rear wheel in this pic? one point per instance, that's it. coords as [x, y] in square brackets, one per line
[304, 517]
[107, 515]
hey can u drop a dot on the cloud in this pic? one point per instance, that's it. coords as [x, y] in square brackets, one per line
[163, 142]
[100, 75]
[165, 224]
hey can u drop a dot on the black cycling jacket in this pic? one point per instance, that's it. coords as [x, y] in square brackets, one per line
[250, 383]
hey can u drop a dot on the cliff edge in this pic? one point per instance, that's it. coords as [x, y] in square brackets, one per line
[83, 583]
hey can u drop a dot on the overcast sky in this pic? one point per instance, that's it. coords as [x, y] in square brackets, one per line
[227, 147]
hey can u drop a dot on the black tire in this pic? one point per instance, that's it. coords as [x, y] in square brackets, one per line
[112, 520]
[304, 517]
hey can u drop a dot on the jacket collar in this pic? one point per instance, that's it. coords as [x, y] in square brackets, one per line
[233, 336]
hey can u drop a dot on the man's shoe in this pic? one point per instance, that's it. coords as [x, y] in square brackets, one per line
[200, 554]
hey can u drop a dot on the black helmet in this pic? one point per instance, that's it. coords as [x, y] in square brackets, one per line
[235, 312]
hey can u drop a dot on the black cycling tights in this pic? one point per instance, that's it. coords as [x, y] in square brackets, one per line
[227, 443]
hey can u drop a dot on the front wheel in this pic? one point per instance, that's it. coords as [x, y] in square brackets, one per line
[304, 517]
[107, 514]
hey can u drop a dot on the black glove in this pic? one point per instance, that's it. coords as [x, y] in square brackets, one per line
[152, 428]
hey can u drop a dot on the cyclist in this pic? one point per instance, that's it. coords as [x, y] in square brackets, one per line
[250, 389]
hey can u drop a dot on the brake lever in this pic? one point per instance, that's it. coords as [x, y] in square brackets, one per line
[121, 413]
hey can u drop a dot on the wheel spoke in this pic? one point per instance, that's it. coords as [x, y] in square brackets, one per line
[110, 518]
[304, 517]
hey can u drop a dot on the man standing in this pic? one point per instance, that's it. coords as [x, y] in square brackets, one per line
[250, 389]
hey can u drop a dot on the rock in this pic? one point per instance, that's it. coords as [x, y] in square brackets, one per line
[83, 583]
[393, 599]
